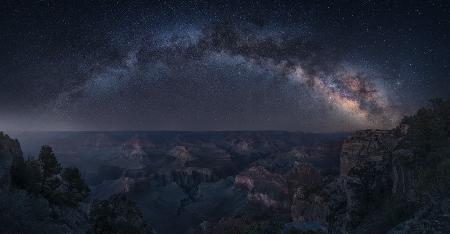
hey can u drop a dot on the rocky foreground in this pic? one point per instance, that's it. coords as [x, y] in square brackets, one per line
[390, 181]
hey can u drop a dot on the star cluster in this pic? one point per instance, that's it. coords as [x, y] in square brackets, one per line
[193, 65]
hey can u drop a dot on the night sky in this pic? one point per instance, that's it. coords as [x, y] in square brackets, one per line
[170, 65]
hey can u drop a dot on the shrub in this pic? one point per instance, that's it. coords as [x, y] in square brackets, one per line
[47, 178]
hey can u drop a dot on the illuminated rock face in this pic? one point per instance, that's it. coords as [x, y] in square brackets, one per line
[364, 148]
[264, 188]
[379, 186]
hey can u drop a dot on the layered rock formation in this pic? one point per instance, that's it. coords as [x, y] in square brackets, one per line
[343, 203]
[366, 148]
[371, 183]
[264, 188]
[380, 184]
[374, 181]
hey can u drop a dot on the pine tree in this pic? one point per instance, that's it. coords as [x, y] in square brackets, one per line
[116, 215]
[33, 175]
[49, 163]
[50, 168]
[76, 189]
[18, 172]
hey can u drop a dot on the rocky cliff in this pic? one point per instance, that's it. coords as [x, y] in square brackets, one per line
[24, 212]
[366, 148]
[390, 181]
[9, 149]
[368, 180]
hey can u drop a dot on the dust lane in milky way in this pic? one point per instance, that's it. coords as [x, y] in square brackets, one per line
[351, 92]
[225, 66]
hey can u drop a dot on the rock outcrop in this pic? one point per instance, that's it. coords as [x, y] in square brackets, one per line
[306, 205]
[390, 181]
[433, 218]
[187, 178]
[265, 188]
[23, 211]
[365, 181]
[9, 149]
[364, 148]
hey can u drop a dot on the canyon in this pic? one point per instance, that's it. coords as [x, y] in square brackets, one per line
[369, 181]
